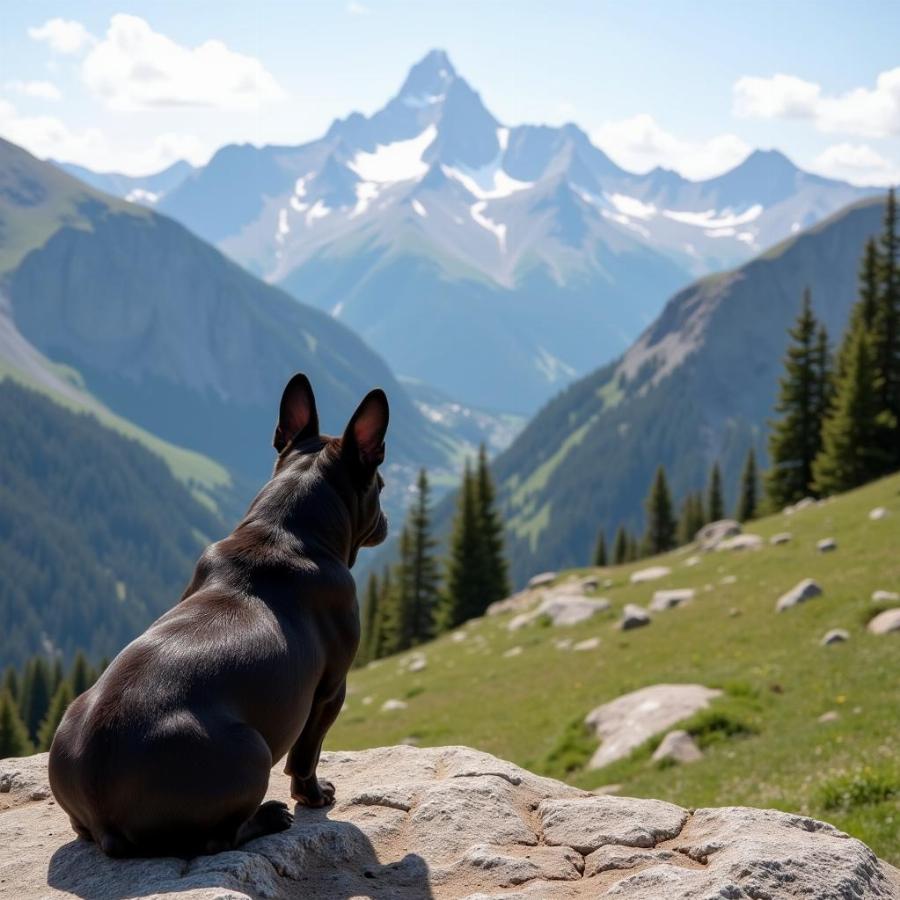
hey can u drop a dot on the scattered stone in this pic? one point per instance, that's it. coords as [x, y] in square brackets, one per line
[458, 636]
[783, 537]
[835, 636]
[366, 701]
[805, 590]
[588, 644]
[563, 644]
[741, 542]
[650, 574]
[826, 545]
[885, 622]
[677, 746]
[589, 583]
[830, 716]
[711, 535]
[692, 561]
[633, 616]
[393, 705]
[515, 603]
[542, 579]
[728, 579]
[885, 596]
[629, 720]
[878, 513]
[513, 651]
[451, 823]
[608, 583]
[799, 506]
[669, 599]
[416, 663]
[733, 612]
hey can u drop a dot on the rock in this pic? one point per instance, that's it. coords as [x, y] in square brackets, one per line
[885, 622]
[728, 579]
[589, 583]
[458, 636]
[835, 636]
[513, 651]
[710, 535]
[677, 746]
[799, 506]
[542, 579]
[562, 608]
[564, 644]
[826, 545]
[783, 537]
[650, 574]
[588, 644]
[878, 513]
[450, 822]
[515, 603]
[669, 599]
[805, 590]
[885, 596]
[393, 705]
[633, 616]
[629, 720]
[416, 663]
[692, 561]
[741, 542]
[830, 716]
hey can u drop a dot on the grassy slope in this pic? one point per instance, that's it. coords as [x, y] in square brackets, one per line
[778, 679]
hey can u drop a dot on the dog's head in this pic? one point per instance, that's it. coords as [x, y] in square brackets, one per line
[349, 463]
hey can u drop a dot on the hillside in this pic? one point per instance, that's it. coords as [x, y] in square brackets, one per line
[97, 538]
[698, 386]
[528, 705]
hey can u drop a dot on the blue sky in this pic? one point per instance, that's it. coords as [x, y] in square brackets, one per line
[690, 85]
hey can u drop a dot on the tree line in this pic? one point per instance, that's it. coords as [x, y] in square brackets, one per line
[33, 700]
[421, 596]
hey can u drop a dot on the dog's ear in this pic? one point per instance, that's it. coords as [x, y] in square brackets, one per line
[363, 442]
[298, 417]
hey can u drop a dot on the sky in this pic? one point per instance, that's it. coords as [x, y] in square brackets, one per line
[693, 86]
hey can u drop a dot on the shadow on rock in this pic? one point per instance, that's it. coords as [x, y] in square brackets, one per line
[317, 857]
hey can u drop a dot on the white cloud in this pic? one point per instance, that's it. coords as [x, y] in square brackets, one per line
[40, 90]
[639, 143]
[870, 112]
[355, 8]
[49, 137]
[856, 163]
[134, 67]
[62, 35]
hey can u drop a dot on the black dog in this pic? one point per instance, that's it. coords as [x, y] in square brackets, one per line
[169, 752]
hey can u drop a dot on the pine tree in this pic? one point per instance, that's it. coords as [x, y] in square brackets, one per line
[634, 548]
[796, 436]
[600, 549]
[691, 519]
[494, 566]
[748, 490]
[660, 533]
[14, 740]
[464, 595]
[424, 577]
[863, 312]
[36, 694]
[715, 503]
[11, 682]
[369, 621]
[380, 628]
[852, 453]
[396, 631]
[824, 377]
[56, 674]
[58, 705]
[82, 675]
[620, 546]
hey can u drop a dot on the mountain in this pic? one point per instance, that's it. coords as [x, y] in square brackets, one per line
[494, 262]
[168, 334]
[698, 386]
[97, 538]
[145, 189]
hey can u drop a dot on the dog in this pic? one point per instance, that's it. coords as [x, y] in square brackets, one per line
[169, 753]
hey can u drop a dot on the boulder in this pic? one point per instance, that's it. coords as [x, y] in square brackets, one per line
[629, 720]
[885, 622]
[650, 574]
[515, 603]
[633, 616]
[671, 598]
[835, 636]
[677, 746]
[783, 537]
[878, 513]
[885, 596]
[826, 545]
[542, 579]
[711, 535]
[805, 590]
[741, 542]
[449, 823]
[562, 607]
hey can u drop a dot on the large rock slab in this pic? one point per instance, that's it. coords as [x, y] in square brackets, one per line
[450, 822]
[629, 720]
[562, 606]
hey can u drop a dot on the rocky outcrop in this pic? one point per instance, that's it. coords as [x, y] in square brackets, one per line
[451, 822]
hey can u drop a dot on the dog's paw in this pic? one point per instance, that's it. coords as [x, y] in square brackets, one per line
[274, 816]
[312, 792]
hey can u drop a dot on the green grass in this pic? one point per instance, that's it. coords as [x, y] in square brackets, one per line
[763, 744]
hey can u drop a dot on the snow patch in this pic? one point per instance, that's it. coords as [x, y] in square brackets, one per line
[400, 161]
[284, 229]
[488, 182]
[552, 368]
[420, 101]
[319, 211]
[624, 220]
[366, 192]
[631, 206]
[748, 237]
[337, 309]
[721, 232]
[714, 219]
[795, 227]
[139, 195]
[417, 206]
[503, 138]
[496, 228]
